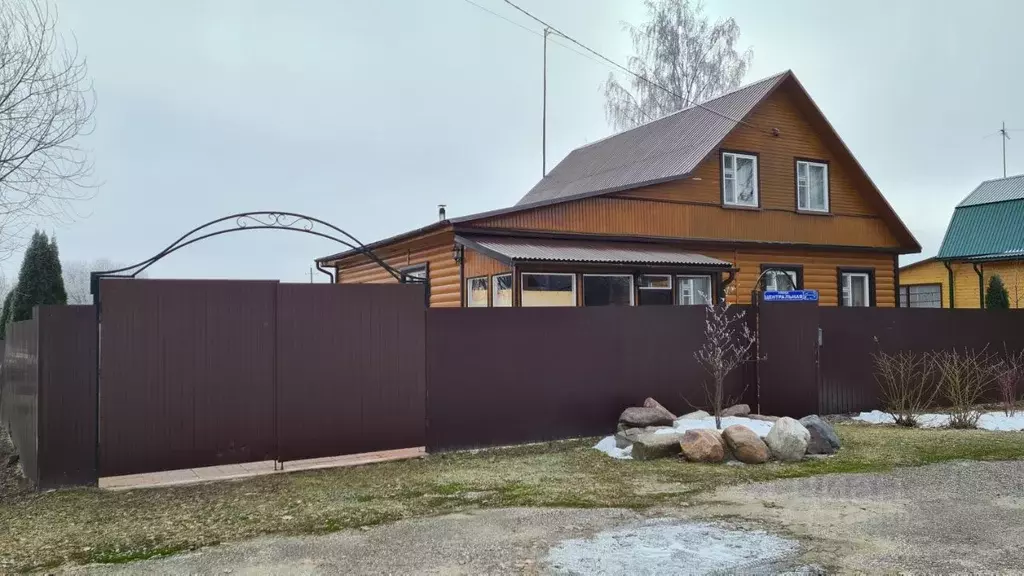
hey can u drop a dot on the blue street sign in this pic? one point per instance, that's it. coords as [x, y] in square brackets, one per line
[791, 296]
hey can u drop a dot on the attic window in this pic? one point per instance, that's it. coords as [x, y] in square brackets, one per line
[739, 180]
[812, 186]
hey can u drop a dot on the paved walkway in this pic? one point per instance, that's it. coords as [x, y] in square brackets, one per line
[233, 471]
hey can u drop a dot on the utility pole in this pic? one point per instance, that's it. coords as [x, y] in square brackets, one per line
[544, 113]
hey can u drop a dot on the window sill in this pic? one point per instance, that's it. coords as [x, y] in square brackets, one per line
[814, 212]
[740, 207]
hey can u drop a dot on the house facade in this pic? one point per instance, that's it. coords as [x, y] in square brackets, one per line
[985, 238]
[751, 188]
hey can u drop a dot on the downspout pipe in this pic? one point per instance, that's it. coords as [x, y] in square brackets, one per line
[981, 283]
[325, 271]
[949, 273]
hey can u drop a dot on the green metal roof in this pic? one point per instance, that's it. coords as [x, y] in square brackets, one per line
[990, 230]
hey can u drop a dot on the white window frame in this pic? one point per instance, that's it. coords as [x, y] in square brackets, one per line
[487, 289]
[632, 286]
[733, 156]
[847, 295]
[494, 290]
[679, 296]
[522, 285]
[806, 164]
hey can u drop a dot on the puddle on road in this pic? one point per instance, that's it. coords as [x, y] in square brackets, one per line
[669, 546]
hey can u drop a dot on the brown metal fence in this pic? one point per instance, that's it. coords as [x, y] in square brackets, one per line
[851, 335]
[199, 372]
[350, 369]
[187, 374]
[48, 394]
[505, 376]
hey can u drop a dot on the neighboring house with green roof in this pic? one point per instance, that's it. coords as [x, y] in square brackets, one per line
[985, 238]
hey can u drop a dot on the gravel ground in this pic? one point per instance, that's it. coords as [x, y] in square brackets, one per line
[953, 517]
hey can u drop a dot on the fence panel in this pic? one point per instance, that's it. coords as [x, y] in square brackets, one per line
[850, 337]
[20, 394]
[350, 368]
[187, 374]
[505, 376]
[67, 399]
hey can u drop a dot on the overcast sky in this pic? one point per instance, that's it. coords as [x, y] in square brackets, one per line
[370, 113]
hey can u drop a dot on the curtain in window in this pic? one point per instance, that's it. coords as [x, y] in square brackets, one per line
[816, 181]
[745, 183]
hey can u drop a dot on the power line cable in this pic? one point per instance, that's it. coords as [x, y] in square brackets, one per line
[535, 32]
[623, 68]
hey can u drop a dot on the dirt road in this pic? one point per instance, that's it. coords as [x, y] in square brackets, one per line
[960, 517]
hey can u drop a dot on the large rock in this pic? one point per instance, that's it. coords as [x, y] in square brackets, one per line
[788, 440]
[649, 446]
[643, 417]
[823, 436]
[737, 410]
[763, 418]
[698, 415]
[702, 446]
[624, 438]
[652, 403]
[745, 444]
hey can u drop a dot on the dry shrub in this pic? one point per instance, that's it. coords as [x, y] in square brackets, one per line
[964, 377]
[1009, 373]
[907, 383]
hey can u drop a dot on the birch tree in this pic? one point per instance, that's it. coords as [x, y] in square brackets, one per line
[680, 49]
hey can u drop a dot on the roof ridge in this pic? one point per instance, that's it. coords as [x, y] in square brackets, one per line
[690, 107]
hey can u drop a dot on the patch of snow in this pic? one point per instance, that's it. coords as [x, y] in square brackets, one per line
[669, 546]
[988, 421]
[607, 445]
[760, 427]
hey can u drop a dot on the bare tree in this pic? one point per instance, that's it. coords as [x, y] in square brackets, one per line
[728, 341]
[678, 49]
[78, 275]
[46, 103]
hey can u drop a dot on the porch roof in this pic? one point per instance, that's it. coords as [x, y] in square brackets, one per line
[514, 249]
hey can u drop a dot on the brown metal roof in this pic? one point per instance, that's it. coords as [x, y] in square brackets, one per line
[669, 147]
[511, 249]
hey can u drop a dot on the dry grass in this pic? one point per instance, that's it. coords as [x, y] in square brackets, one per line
[89, 525]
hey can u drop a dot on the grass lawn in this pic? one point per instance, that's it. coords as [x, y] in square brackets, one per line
[89, 525]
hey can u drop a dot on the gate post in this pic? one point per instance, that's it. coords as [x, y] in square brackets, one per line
[787, 365]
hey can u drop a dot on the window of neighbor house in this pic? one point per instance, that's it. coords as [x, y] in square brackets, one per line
[856, 289]
[694, 290]
[476, 292]
[739, 179]
[548, 289]
[812, 186]
[607, 290]
[655, 290]
[502, 296]
[922, 296]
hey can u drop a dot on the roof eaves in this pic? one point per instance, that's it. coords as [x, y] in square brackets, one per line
[373, 245]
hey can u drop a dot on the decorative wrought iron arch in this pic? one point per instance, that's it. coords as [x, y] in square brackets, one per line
[260, 220]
